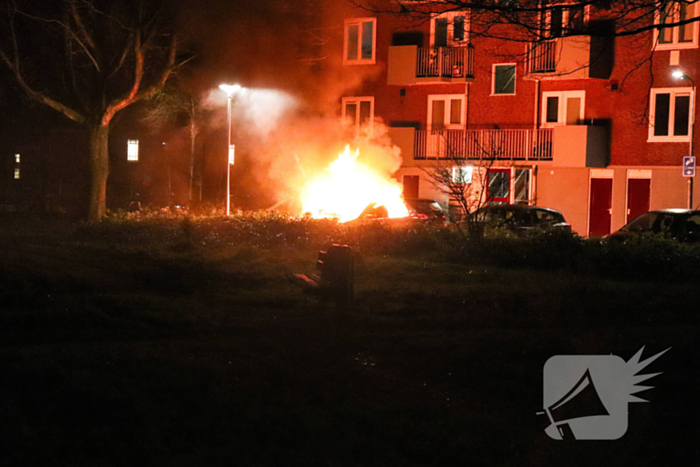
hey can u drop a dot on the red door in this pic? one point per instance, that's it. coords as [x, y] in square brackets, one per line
[410, 186]
[601, 207]
[638, 191]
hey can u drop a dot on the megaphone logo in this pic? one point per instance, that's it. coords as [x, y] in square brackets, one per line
[586, 396]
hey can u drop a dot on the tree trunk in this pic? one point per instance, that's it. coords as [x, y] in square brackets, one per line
[99, 170]
[193, 137]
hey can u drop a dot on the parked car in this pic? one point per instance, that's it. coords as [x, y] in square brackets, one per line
[522, 219]
[679, 224]
[426, 209]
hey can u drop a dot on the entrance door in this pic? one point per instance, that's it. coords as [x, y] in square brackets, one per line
[410, 186]
[638, 191]
[600, 212]
[445, 113]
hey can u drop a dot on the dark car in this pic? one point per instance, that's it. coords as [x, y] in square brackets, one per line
[679, 224]
[425, 209]
[522, 219]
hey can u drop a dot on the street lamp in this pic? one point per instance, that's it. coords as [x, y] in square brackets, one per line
[680, 75]
[229, 90]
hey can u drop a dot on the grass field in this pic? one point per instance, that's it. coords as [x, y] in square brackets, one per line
[180, 341]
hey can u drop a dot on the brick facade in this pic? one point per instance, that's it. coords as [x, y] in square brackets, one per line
[618, 102]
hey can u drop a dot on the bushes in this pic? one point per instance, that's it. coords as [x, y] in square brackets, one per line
[652, 258]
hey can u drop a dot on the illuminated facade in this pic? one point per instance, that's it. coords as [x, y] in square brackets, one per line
[573, 123]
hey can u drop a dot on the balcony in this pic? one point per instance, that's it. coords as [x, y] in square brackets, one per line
[508, 145]
[580, 146]
[409, 64]
[570, 57]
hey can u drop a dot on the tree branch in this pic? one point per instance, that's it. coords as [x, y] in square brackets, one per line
[39, 97]
[136, 94]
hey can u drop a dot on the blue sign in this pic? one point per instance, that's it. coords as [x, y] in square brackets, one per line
[689, 166]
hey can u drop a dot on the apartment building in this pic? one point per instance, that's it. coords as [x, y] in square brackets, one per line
[592, 125]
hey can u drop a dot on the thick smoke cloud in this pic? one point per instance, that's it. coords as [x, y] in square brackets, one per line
[286, 124]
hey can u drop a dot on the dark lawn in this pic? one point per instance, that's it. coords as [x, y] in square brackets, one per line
[121, 349]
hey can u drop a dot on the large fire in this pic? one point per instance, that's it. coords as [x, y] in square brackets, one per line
[347, 186]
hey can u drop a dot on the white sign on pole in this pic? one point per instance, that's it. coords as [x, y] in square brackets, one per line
[689, 166]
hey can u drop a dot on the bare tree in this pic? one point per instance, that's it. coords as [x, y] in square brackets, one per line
[465, 180]
[88, 59]
[173, 107]
[541, 20]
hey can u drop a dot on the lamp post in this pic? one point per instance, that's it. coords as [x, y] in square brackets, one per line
[229, 90]
[680, 75]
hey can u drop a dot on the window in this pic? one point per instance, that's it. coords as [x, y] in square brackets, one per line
[462, 175]
[446, 112]
[503, 79]
[17, 173]
[449, 30]
[358, 112]
[132, 151]
[360, 41]
[17, 158]
[562, 20]
[678, 37]
[669, 114]
[498, 186]
[521, 186]
[562, 108]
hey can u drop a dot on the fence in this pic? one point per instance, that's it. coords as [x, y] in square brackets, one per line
[526, 144]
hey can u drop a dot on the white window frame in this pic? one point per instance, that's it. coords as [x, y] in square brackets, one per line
[462, 175]
[359, 22]
[447, 98]
[450, 16]
[357, 100]
[563, 96]
[671, 114]
[675, 44]
[493, 79]
[530, 184]
[546, 19]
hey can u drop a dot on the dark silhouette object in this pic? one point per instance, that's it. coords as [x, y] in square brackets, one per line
[335, 275]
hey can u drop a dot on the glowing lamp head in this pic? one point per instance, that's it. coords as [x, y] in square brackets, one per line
[230, 88]
[678, 74]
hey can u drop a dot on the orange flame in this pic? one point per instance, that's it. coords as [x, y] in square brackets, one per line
[347, 187]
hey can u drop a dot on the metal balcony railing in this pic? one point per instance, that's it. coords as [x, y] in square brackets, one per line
[527, 144]
[541, 57]
[445, 62]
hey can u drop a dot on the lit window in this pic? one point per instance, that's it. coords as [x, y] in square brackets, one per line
[669, 114]
[132, 154]
[462, 175]
[678, 37]
[17, 173]
[358, 112]
[17, 158]
[231, 154]
[360, 38]
[503, 79]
